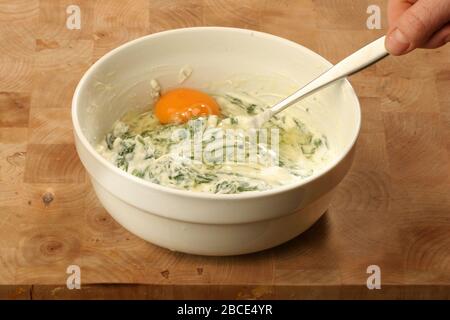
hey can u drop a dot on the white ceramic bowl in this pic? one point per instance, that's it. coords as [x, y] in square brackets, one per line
[200, 223]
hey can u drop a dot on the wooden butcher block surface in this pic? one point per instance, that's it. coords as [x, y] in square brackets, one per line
[391, 211]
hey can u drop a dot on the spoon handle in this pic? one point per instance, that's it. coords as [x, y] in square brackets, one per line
[355, 62]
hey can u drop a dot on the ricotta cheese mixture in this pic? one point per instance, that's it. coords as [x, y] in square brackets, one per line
[214, 154]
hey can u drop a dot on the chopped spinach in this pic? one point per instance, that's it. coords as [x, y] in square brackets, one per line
[109, 139]
[122, 163]
[251, 108]
[204, 178]
[138, 173]
[127, 147]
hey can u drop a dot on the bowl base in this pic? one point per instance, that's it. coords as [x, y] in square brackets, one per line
[211, 239]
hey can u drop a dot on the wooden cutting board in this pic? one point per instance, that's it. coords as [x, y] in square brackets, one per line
[392, 210]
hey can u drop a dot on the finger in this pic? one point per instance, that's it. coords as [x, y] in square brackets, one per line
[416, 25]
[439, 38]
[396, 8]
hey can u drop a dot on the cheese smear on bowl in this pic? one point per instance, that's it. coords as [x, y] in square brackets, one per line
[217, 154]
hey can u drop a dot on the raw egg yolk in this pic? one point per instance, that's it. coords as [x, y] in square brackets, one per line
[180, 105]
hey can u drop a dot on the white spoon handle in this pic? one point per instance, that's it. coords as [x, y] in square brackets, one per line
[355, 62]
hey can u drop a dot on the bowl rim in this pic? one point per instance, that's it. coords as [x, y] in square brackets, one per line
[204, 195]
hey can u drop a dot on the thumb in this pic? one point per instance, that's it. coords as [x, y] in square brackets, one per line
[416, 25]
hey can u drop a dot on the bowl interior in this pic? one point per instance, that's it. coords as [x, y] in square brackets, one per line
[120, 81]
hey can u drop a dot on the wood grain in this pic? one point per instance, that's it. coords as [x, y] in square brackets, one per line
[15, 108]
[392, 210]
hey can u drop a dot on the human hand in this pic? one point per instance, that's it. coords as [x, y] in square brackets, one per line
[417, 24]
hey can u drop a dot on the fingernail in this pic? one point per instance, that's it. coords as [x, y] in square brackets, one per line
[397, 43]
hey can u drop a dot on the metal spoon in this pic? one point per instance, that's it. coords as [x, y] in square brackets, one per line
[361, 59]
